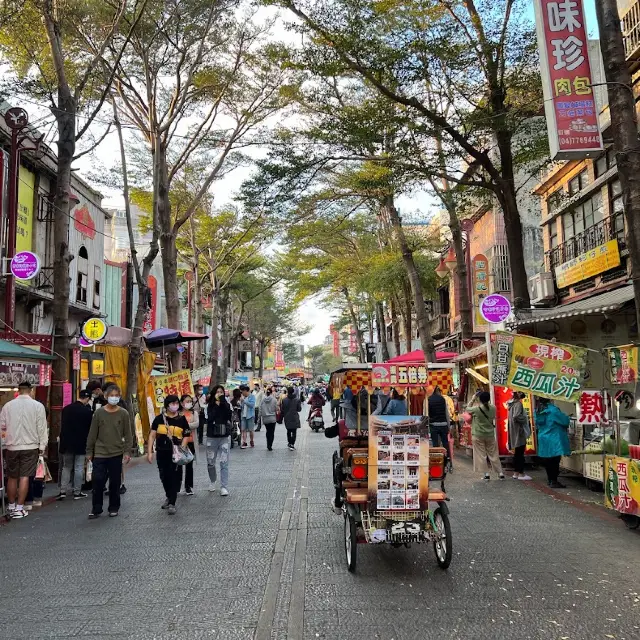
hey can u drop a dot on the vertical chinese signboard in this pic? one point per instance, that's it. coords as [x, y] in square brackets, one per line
[480, 275]
[622, 485]
[335, 340]
[503, 397]
[623, 364]
[571, 111]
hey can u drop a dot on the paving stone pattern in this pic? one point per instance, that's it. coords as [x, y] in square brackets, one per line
[267, 563]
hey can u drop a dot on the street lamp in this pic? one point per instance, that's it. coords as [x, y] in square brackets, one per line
[442, 270]
[450, 259]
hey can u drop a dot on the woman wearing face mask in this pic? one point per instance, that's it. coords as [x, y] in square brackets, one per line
[193, 420]
[218, 442]
[168, 429]
[109, 442]
[268, 408]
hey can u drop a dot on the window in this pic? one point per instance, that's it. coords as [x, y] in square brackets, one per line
[579, 182]
[553, 234]
[605, 162]
[500, 269]
[96, 287]
[617, 209]
[83, 275]
[582, 217]
[554, 201]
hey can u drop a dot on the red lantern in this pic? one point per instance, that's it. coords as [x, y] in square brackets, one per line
[450, 259]
[442, 269]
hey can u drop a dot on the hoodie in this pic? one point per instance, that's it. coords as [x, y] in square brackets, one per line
[268, 409]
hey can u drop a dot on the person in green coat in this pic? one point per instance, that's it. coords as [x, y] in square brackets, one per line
[553, 440]
[483, 432]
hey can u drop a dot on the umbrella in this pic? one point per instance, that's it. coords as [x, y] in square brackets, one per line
[418, 356]
[162, 337]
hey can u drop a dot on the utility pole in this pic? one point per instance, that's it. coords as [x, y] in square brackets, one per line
[624, 129]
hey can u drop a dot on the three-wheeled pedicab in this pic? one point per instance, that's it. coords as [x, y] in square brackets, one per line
[389, 483]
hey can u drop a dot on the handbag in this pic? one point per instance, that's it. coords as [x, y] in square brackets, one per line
[181, 455]
[40, 469]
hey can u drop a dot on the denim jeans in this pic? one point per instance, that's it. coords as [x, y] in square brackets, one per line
[75, 463]
[218, 448]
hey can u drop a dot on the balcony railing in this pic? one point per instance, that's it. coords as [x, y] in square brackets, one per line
[610, 229]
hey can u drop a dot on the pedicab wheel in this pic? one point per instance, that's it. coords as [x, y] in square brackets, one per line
[630, 521]
[442, 547]
[350, 542]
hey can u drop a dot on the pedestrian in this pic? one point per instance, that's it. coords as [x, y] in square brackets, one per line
[519, 430]
[483, 431]
[193, 420]
[201, 408]
[268, 410]
[218, 441]
[23, 420]
[247, 416]
[101, 401]
[439, 421]
[74, 432]
[397, 406]
[168, 429]
[94, 387]
[108, 445]
[335, 403]
[259, 395]
[291, 408]
[553, 440]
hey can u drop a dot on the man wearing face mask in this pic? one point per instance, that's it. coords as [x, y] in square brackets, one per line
[109, 442]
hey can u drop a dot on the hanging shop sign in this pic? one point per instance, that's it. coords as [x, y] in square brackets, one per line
[12, 373]
[174, 384]
[495, 308]
[622, 485]
[589, 264]
[480, 277]
[83, 222]
[76, 359]
[25, 265]
[623, 364]
[591, 408]
[540, 367]
[570, 108]
[94, 330]
[400, 375]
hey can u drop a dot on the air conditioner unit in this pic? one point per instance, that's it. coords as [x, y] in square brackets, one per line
[541, 287]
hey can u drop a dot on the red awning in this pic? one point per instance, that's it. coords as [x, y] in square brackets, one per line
[418, 356]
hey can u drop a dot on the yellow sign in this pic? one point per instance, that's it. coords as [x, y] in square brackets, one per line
[97, 367]
[24, 228]
[543, 368]
[174, 384]
[589, 264]
[84, 369]
[622, 484]
[94, 330]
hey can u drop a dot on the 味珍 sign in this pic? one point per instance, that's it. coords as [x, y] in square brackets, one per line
[571, 111]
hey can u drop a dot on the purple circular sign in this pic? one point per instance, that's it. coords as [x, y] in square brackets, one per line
[25, 265]
[495, 308]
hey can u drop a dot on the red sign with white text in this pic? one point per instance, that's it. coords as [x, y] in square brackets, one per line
[571, 111]
[150, 320]
[503, 396]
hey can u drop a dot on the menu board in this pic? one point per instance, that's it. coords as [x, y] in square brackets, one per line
[398, 463]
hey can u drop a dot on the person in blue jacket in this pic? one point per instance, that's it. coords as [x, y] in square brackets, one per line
[553, 440]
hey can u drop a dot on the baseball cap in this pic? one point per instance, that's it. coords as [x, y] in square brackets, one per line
[85, 394]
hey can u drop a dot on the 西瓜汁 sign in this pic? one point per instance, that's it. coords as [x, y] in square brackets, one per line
[622, 485]
[570, 107]
[586, 265]
[540, 367]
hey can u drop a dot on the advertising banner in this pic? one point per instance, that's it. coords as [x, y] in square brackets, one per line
[398, 463]
[591, 408]
[480, 278]
[623, 364]
[503, 396]
[403, 375]
[543, 368]
[589, 264]
[622, 484]
[150, 316]
[178, 384]
[570, 108]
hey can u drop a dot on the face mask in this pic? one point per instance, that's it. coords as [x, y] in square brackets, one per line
[174, 408]
[188, 405]
[113, 400]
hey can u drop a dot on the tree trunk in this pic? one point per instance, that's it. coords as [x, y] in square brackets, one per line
[408, 313]
[198, 323]
[354, 319]
[261, 370]
[624, 129]
[215, 343]
[395, 324]
[382, 332]
[223, 301]
[466, 309]
[416, 286]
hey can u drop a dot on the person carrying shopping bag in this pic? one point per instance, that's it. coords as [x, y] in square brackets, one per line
[483, 432]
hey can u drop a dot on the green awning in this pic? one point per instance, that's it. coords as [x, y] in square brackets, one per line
[12, 350]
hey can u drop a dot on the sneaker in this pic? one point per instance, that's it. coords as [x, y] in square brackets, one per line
[93, 516]
[501, 476]
[525, 477]
[557, 485]
[79, 496]
[516, 476]
[123, 490]
[113, 514]
[165, 504]
[188, 492]
[252, 444]
[269, 448]
[61, 496]
[487, 477]
[243, 445]
[37, 503]
[171, 509]
[224, 491]
[28, 507]
[17, 514]
[212, 487]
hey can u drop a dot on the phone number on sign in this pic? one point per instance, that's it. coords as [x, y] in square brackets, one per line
[581, 140]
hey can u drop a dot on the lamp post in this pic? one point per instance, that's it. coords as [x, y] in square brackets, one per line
[16, 119]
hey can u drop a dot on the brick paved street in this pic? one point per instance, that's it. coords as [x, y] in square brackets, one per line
[267, 562]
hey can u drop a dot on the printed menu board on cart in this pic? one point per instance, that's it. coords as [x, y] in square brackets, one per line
[398, 463]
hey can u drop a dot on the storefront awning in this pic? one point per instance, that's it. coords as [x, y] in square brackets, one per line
[476, 352]
[601, 303]
[12, 350]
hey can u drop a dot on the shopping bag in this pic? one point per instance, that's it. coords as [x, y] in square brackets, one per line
[47, 473]
[89, 472]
